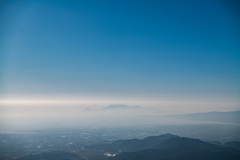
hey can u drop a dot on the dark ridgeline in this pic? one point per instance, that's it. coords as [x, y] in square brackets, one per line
[163, 147]
[166, 147]
[132, 145]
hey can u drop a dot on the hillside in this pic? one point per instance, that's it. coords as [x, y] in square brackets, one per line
[180, 148]
[132, 145]
[166, 147]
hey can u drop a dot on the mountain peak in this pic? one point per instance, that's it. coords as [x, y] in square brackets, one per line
[87, 109]
[120, 106]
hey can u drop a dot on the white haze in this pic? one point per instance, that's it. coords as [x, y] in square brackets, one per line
[27, 117]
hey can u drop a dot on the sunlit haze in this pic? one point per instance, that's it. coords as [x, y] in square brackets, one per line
[170, 57]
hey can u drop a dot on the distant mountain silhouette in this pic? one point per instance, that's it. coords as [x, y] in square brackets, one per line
[50, 156]
[87, 109]
[122, 110]
[225, 117]
[120, 106]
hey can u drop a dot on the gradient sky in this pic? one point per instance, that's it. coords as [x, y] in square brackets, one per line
[121, 51]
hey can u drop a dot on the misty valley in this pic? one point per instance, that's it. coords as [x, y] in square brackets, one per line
[202, 141]
[117, 132]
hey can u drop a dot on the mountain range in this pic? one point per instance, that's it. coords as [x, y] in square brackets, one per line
[157, 116]
[162, 147]
[166, 147]
[120, 106]
[224, 117]
[113, 107]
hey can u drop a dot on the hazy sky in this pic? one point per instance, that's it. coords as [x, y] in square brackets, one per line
[121, 51]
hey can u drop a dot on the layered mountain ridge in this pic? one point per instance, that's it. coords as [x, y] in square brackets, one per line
[162, 147]
[168, 146]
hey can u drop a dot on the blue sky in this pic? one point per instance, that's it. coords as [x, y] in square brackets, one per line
[128, 50]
